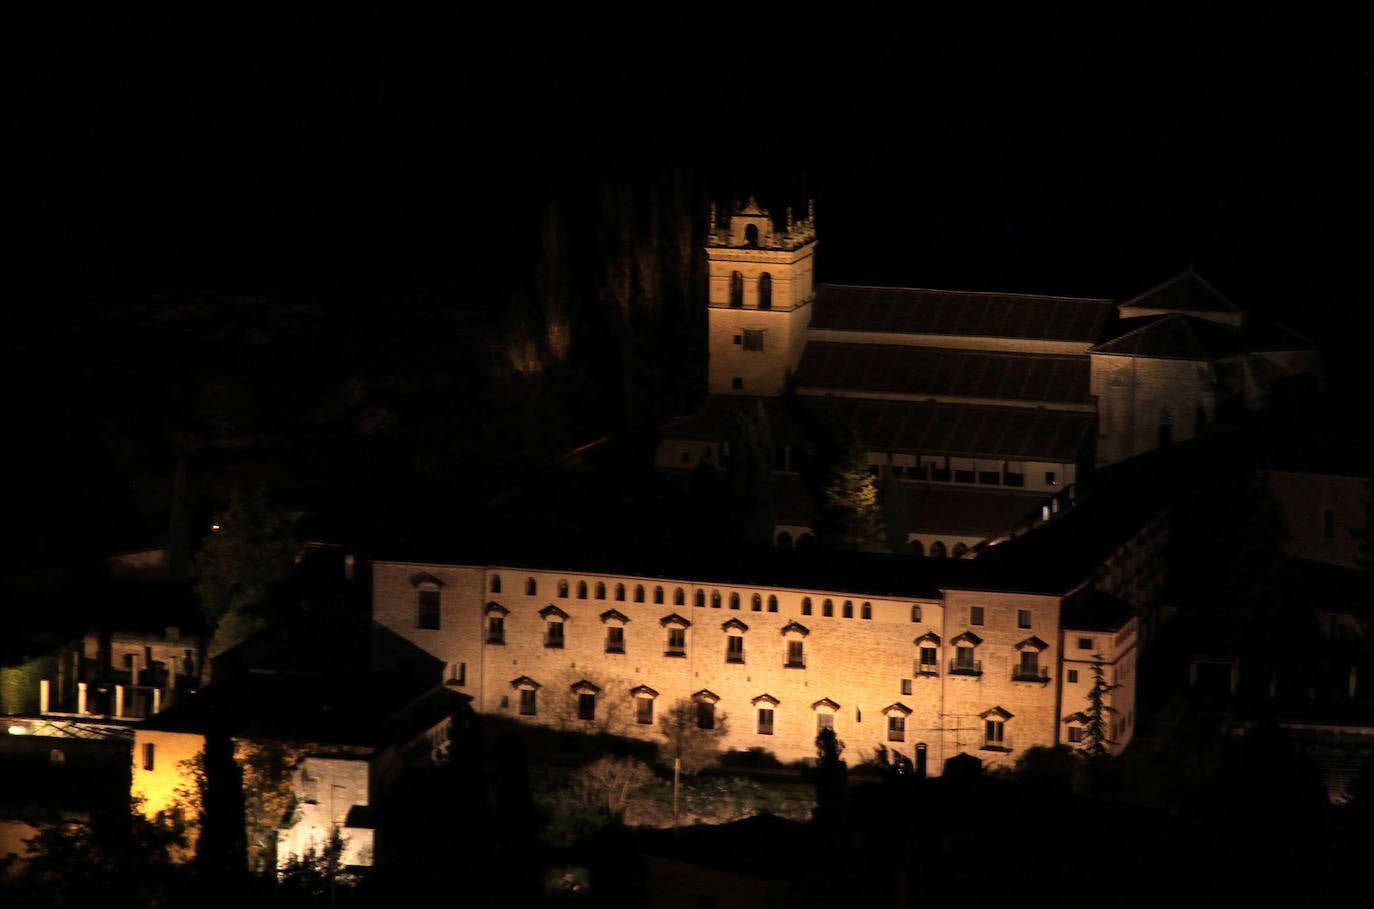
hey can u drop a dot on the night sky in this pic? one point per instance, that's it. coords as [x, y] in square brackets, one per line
[1073, 156]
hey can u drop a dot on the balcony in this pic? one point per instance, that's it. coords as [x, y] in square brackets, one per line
[794, 663]
[735, 658]
[1002, 744]
[965, 667]
[615, 647]
[1030, 674]
[496, 638]
[927, 668]
[675, 652]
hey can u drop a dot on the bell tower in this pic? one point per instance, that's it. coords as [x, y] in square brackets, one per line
[761, 290]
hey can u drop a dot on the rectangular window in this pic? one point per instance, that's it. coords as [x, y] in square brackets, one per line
[1023, 618]
[554, 635]
[737, 383]
[765, 721]
[586, 706]
[929, 660]
[1073, 676]
[615, 639]
[824, 721]
[734, 649]
[896, 728]
[975, 615]
[1085, 643]
[1029, 667]
[458, 673]
[796, 657]
[527, 701]
[1051, 478]
[994, 732]
[149, 756]
[1075, 734]
[706, 715]
[496, 629]
[677, 641]
[906, 686]
[428, 610]
[753, 339]
[644, 711]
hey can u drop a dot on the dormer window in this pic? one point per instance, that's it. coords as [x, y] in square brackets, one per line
[615, 630]
[896, 721]
[553, 626]
[676, 628]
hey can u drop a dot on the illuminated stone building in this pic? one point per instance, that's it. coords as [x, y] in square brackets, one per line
[991, 408]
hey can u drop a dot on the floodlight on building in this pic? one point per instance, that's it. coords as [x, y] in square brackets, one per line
[19, 729]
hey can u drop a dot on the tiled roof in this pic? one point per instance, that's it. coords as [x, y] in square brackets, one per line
[1174, 337]
[963, 313]
[925, 371]
[1018, 433]
[1186, 292]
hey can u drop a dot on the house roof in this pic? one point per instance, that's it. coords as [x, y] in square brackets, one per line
[928, 371]
[1174, 337]
[1185, 292]
[962, 313]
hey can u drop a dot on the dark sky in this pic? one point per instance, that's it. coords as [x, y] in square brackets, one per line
[1066, 156]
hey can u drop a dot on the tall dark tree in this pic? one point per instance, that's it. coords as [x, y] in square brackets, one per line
[850, 517]
[1097, 734]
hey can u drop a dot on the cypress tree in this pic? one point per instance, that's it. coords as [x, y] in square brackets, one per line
[850, 515]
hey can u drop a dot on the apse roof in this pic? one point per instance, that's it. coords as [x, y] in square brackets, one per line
[964, 313]
[924, 371]
[1185, 292]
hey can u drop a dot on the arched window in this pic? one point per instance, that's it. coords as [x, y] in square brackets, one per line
[639, 593]
[937, 549]
[531, 587]
[958, 550]
[765, 291]
[848, 609]
[680, 597]
[772, 603]
[917, 548]
[806, 605]
[563, 588]
[866, 611]
[581, 590]
[736, 290]
[620, 592]
[658, 596]
[784, 540]
[734, 601]
[496, 583]
[600, 590]
[828, 608]
[915, 613]
[715, 599]
[701, 598]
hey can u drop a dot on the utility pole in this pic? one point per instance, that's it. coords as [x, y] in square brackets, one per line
[677, 779]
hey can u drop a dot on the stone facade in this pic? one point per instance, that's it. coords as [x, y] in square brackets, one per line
[584, 652]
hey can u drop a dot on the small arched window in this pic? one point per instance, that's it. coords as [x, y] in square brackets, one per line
[915, 613]
[680, 597]
[496, 583]
[563, 588]
[765, 291]
[772, 603]
[600, 590]
[756, 604]
[581, 590]
[917, 548]
[848, 609]
[866, 611]
[736, 290]
[658, 596]
[958, 550]
[806, 605]
[937, 549]
[784, 540]
[734, 601]
[531, 587]
[701, 598]
[715, 599]
[620, 592]
[639, 593]
[828, 608]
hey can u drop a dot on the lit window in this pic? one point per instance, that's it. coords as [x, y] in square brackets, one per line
[496, 629]
[1023, 618]
[427, 615]
[765, 721]
[975, 615]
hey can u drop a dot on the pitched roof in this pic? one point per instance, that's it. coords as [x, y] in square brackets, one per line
[926, 371]
[965, 313]
[1173, 336]
[1185, 292]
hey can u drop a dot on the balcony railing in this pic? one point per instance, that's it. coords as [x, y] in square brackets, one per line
[1030, 674]
[966, 667]
[927, 668]
[675, 652]
[1002, 744]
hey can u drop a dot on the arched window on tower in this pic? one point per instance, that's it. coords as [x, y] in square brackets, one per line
[736, 290]
[751, 235]
[765, 291]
